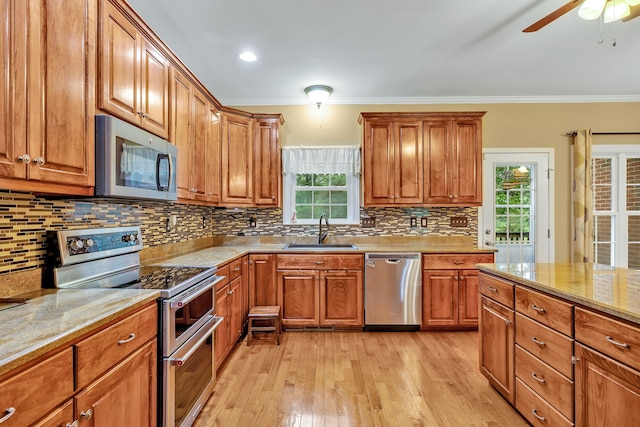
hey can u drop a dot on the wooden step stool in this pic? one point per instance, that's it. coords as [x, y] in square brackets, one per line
[268, 320]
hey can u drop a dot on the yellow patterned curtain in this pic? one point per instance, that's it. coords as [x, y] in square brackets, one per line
[582, 198]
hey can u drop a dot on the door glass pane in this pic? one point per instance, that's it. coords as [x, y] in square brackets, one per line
[634, 242]
[603, 239]
[633, 184]
[514, 213]
[602, 184]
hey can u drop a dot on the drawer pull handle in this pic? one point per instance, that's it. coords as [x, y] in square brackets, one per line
[538, 309]
[537, 378]
[75, 423]
[87, 414]
[130, 338]
[319, 262]
[492, 289]
[540, 343]
[616, 343]
[458, 262]
[8, 413]
[236, 269]
[535, 414]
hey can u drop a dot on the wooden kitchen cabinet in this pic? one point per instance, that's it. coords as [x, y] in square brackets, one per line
[392, 162]
[267, 161]
[453, 160]
[47, 142]
[262, 280]
[450, 290]
[321, 290]
[497, 334]
[229, 306]
[237, 159]
[133, 73]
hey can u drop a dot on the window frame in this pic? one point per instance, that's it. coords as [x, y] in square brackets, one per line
[289, 187]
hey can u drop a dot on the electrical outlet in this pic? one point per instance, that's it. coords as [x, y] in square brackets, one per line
[368, 222]
[413, 221]
[423, 222]
[458, 221]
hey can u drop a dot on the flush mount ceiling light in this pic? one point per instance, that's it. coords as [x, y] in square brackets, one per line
[318, 93]
[248, 56]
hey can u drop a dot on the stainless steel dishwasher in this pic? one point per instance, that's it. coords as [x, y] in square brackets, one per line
[392, 291]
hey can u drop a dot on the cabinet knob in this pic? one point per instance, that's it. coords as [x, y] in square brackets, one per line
[75, 423]
[25, 158]
[86, 414]
[451, 196]
[39, 161]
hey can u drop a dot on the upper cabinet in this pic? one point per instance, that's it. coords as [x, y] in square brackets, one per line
[47, 96]
[422, 159]
[267, 161]
[133, 74]
[237, 159]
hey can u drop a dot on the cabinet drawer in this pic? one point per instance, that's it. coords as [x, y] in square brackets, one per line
[457, 261]
[320, 262]
[546, 344]
[612, 337]
[545, 309]
[38, 390]
[224, 271]
[99, 352]
[235, 269]
[536, 410]
[497, 289]
[548, 383]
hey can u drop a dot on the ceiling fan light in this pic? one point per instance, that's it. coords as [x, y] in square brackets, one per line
[616, 9]
[592, 9]
[632, 2]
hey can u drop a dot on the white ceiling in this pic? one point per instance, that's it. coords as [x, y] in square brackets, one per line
[402, 51]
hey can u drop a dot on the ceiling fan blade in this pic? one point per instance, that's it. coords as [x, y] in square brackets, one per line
[553, 16]
[635, 12]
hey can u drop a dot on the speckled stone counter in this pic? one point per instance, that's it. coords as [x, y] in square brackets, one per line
[54, 317]
[611, 290]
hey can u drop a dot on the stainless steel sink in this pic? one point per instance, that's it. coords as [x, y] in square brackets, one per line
[319, 246]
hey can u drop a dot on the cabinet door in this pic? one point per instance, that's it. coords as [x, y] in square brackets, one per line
[119, 77]
[180, 136]
[262, 280]
[235, 310]
[408, 163]
[213, 157]
[60, 417]
[237, 160]
[13, 88]
[222, 332]
[244, 289]
[607, 391]
[62, 80]
[125, 395]
[154, 90]
[466, 162]
[440, 297]
[341, 299]
[267, 163]
[298, 298]
[437, 156]
[468, 298]
[379, 167]
[497, 341]
[200, 115]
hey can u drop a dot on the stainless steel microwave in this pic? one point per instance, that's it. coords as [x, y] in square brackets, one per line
[131, 162]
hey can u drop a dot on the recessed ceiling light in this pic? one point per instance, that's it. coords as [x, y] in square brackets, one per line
[248, 56]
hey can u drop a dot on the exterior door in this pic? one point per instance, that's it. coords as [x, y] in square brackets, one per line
[517, 205]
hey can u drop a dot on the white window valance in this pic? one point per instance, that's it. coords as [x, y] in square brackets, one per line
[334, 159]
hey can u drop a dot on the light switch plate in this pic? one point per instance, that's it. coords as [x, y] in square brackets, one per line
[458, 221]
[368, 222]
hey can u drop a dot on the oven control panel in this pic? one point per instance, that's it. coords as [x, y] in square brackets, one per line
[87, 244]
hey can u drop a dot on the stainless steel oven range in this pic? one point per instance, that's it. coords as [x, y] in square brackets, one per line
[109, 257]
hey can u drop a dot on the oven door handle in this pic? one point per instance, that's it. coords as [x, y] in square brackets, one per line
[179, 361]
[194, 293]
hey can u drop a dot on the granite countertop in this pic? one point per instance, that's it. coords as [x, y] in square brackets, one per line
[611, 290]
[54, 317]
[219, 255]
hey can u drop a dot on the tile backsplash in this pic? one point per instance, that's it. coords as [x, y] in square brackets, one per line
[25, 218]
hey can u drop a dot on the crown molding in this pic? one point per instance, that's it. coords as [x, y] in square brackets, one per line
[440, 100]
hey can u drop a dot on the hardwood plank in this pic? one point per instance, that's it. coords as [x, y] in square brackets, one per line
[357, 379]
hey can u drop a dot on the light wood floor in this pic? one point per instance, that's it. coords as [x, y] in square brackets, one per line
[357, 379]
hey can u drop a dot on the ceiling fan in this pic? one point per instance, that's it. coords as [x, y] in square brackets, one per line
[613, 10]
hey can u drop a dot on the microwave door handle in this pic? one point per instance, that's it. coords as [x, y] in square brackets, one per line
[158, 160]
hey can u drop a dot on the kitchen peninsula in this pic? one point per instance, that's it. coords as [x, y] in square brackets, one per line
[561, 342]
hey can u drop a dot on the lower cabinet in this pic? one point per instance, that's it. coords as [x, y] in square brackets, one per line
[262, 280]
[115, 376]
[450, 290]
[321, 290]
[229, 306]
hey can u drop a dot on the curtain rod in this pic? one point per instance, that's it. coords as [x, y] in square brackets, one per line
[574, 133]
